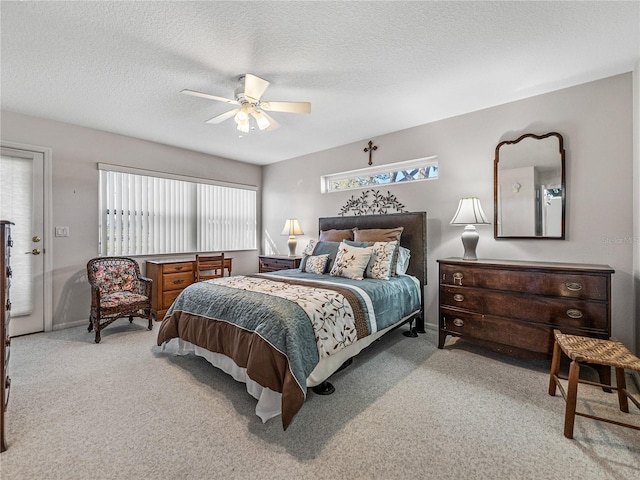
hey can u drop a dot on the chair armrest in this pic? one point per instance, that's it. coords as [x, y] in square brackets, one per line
[95, 295]
[145, 285]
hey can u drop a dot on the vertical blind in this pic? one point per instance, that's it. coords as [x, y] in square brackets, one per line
[146, 213]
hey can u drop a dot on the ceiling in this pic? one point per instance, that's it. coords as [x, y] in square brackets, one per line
[368, 68]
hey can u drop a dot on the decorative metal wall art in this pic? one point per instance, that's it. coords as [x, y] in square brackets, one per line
[379, 204]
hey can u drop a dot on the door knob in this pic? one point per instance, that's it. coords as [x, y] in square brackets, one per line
[35, 251]
[36, 238]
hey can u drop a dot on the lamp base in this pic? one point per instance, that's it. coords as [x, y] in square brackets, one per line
[292, 243]
[470, 239]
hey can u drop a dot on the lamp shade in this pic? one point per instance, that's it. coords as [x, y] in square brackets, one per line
[469, 213]
[292, 227]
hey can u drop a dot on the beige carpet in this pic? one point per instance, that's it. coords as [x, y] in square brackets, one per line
[404, 409]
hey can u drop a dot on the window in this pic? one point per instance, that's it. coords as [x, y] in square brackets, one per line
[409, 171]
[144, 213]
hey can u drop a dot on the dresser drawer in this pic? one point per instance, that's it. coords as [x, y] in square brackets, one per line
[559, 284]
[168, 298]
[531, 337]
[178, 267]
[523, 335]
[176, 281]
[556, 311]
[270, 264]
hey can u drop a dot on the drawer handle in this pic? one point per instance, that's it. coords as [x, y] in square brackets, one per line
[573, 313]
[458, 297]
[574, 287]
[457, 277]
[178, 282]
[458, 322]
[8, 306]
[178, 267]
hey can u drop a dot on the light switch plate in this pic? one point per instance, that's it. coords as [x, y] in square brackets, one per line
[62, 231]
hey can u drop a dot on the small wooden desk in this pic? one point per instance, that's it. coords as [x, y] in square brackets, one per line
[170, 277]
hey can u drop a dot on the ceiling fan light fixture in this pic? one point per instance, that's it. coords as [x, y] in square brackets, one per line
[261, 120]
[241, 117]
[243, 126]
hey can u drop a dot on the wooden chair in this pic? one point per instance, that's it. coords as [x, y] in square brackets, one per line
[209, 266]
[117, 290]
[610, 353]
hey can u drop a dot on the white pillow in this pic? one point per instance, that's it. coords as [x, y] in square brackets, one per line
[350, 261]
[308, 250]
[379, 266]
[403, 260]
[316, 264]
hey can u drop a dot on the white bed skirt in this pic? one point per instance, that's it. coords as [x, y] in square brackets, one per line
[270, 402]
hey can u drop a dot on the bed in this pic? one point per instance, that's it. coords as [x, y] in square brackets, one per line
[283, 332]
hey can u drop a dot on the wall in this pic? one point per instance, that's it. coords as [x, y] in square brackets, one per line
[76, 152]
[595, 120]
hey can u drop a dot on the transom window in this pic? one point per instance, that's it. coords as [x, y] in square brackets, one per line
[409, 171]
[144, 213]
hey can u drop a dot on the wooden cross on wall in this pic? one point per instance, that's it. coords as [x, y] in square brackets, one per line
[370, 149]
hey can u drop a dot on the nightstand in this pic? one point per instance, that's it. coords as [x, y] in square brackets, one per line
[273, 263]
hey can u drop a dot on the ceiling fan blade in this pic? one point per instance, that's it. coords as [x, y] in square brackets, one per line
[273, 125]
[254, 87]
[222, 117]
[209, 97]
[289, 107]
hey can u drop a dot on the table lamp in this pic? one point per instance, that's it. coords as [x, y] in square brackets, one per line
[469, 213]
[292, 228]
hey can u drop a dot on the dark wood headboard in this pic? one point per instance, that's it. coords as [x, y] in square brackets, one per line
[414, 235]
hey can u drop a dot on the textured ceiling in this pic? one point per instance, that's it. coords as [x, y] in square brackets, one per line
[368, 68]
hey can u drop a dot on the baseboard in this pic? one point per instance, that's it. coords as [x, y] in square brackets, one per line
[431, 326]
[77, 323]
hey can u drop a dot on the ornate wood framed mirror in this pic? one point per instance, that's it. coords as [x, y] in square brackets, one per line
[529, 187]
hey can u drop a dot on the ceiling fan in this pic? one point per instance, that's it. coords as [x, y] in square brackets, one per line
[248, 96]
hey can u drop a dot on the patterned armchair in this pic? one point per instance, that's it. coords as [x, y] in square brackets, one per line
[117, 290]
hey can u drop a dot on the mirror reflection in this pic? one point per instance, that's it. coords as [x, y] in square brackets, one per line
[529, 187]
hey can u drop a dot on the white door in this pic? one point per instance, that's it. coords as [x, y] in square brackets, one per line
[22, 202]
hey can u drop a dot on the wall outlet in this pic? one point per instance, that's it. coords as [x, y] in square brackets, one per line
[62, 231]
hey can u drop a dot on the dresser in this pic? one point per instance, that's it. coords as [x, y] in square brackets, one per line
[5, 317]
[514, 306]
[170, 277]
[273, 263]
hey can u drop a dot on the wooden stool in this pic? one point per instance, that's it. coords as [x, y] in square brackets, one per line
[610, 353]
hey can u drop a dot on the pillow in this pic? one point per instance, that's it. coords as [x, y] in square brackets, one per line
[379, 266]
[308, 250]
[350, 261]
[378, 234]
[357, 244]
[330, 248]
[381, 235]
[336, 235]
[403, 260]
[316, 264]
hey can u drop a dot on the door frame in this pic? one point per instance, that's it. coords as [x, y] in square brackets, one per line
[47, 198]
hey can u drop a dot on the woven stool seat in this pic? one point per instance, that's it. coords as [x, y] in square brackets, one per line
[610, 353]
[595, 350]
